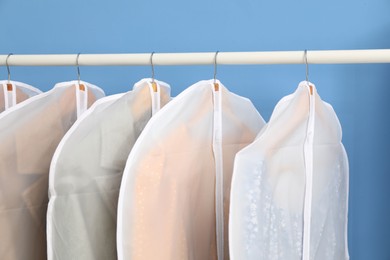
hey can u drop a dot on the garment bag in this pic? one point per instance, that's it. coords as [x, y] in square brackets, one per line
[289, 195]
[174, 196]
[87, 169]
[14, 92]
[29, 135]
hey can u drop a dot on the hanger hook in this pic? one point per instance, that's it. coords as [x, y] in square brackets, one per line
[6, 62]
[78, 67]
[307, 67]
[152, 65]
[215, 66]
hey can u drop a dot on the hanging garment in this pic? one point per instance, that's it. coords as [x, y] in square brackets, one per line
[29, 135]
[289, 195]
[174, 196]
[87, 169]
[14, 92]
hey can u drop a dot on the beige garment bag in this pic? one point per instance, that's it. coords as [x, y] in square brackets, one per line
[29, 135]
[174, 196]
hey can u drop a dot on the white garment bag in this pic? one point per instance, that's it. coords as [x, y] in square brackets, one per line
[86, 172]
[29, 135]
[174, 196]
[14, 92]
[289, 196]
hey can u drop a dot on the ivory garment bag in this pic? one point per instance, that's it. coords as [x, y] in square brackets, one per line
[174, 196]
[14, 92]
[87, 169]
[29, 135]
[289, 196]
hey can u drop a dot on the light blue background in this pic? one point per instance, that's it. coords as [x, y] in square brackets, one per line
[359, 93]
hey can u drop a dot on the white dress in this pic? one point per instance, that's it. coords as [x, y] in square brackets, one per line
[29, 135]
[289, 196]
[174, 196]
[14, 92]
[86, 172]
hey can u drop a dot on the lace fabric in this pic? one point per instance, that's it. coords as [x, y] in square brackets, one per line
[268, 187]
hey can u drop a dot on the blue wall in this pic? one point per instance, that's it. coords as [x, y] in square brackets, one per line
[359, 93]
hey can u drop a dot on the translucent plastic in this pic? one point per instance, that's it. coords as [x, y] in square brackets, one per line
[167, 202]
[271, 184]
[17, 93]
[86, 172]
[29, 135]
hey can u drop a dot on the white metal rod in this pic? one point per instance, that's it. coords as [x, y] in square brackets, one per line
[203, 58]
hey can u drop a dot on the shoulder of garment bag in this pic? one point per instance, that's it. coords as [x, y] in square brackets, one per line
[15, 92]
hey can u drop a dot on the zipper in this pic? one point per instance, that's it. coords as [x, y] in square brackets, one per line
[9, 90]
[308, 159]
[81, 99]
[217, 150]
[155, 95]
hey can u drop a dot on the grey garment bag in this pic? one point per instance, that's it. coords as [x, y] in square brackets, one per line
[87, 168]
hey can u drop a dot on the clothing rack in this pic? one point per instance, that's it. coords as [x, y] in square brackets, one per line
[201, 58]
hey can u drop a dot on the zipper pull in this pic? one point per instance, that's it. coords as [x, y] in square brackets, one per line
[216, 86]
[154, 86]
[82, 87]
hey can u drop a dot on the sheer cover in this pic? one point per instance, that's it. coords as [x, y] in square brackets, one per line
[17, 93]
[86, 172]
[167, 202]
[29, 135]
[289, 195]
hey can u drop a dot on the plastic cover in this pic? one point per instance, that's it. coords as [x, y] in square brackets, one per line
[86, 172]
[29, 135]
[167, 201]
[17, 93]
[270, 185]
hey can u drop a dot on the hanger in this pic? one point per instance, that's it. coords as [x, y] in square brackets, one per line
[9, 84]
[307, 73]
[216, 85]
[154, 85]
[81, 86]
